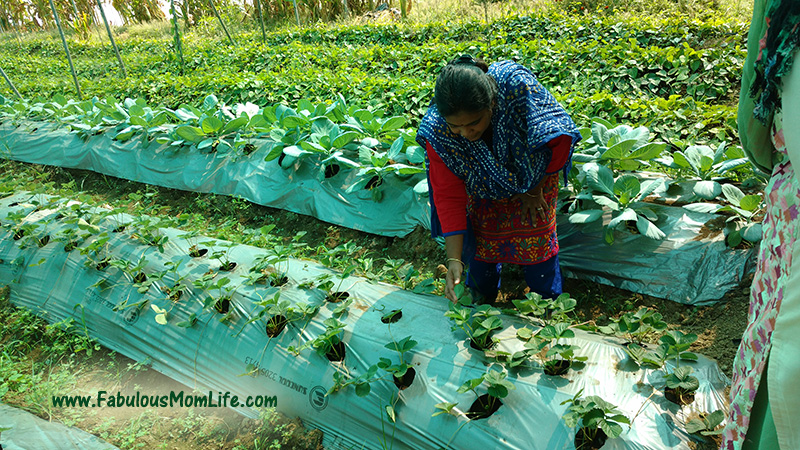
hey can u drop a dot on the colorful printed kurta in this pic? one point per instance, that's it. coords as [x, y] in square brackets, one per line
[781, 229]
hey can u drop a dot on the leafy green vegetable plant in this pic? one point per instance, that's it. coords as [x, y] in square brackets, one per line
[703, 164]
[623, 197]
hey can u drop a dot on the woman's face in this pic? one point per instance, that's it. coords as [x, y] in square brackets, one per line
[470, 125]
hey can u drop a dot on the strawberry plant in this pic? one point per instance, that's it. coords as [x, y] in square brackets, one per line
[497, 388]
[556, 357]
[598, 420]
[706, 424]
[478, 323]
[328, 344]
[634, 326]
[681, 385]
[549, 310]
[402, 372]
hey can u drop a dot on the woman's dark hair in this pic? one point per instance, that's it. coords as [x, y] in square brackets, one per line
[464, 86]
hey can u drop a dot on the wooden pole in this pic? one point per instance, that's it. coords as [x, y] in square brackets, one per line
[10, 83]
[111, 37]
[66, 49]
[225, 29]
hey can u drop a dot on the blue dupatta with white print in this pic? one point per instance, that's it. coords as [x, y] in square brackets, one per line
[525, 118]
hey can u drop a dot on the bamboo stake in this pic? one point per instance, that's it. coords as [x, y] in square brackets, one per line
[296, 14]
[261, 20]
[177, 32]
[10, 83]
[75, 8]
[225, 29]
[111, 37]
[66, 49]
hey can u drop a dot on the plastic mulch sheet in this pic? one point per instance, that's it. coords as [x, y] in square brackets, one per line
[634, 262]
[225, 353]
[683, 267]
[28, 432]
[295, 189]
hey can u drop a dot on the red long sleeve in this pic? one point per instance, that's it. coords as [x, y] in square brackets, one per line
[560, 147]
[449, 195]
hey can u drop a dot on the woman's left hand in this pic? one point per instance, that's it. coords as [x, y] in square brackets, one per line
[533, 204]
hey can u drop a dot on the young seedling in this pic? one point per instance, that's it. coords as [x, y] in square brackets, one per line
[487, 404]
[96, 252]
[681, 385]
[597, 418]
[706, 425]
[329, 344]
[557, 358]
[478, 323]
[635, 326]
[195, 251]
[147, 230]
[222, 301]
[402, 372]
[333, 291]
[547, 309]
[272, 266]
[222, 255]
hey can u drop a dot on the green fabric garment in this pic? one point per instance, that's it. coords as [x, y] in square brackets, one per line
[774, 36]
[755, 136]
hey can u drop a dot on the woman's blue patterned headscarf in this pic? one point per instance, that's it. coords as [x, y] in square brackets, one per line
[526, 116]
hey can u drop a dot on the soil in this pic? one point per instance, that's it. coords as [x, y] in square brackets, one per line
[336, 353]
[337, 297]
[275, 325]
[557, 367]
[582, 441]
[483, 407]
[405, 381]
[678, 396]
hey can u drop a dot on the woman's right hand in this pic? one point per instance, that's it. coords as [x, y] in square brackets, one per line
[455, 269]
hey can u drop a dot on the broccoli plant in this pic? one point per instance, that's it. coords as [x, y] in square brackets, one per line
[623, 196]
[704, 164]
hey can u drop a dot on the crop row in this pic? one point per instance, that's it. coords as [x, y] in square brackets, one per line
[623, 66]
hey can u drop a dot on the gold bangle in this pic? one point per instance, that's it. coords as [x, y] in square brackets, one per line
[456, 259]
[530, 195]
